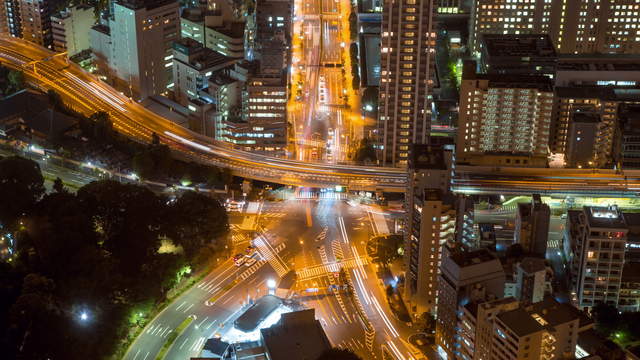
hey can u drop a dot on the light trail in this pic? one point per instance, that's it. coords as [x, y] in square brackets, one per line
[386, 320]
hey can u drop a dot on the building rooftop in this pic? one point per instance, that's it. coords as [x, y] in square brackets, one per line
[148, 4]
[520, 322]
[598, 92]
[516, 81]
[256, 314]
[201, 57]
[605, 217]
[580, 116]
[102, 28]
[198, 14]
[233, 29]
[298, 335]
[543, 315]
[423, 156]
[522, 46]
[532, 265]
[469, 258]
[598, 62]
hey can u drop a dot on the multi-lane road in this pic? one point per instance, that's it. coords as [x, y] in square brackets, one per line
[307, 234]
[87, 94]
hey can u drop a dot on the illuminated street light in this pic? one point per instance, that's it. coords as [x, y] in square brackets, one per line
[84, 316]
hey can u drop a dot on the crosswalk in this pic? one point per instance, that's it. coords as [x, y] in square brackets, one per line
[271, 255]
[239, 238]
[324, 269]
[273, 215]
[305, 195]
[252, 269]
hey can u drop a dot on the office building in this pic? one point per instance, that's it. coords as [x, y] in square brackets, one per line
[596, 248]
[297, 335]
[407, 78]
[586, 121]
[532, 226]
[574, 26]
[70, 29]
[193, 65]
[620, 71]
[215, 29]
[264, 127]
[35, 21]
[273, 17]
[10, 18]
[465, 276]
[511, 54]
[140, 36]
[504, 120]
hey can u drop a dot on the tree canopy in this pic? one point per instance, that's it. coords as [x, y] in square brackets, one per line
[21, 186]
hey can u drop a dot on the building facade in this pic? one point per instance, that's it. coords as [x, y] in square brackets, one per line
[407, 64]
[70, 29]
[597, 240]
[10, 18]
[575, 26]
[140, 35]
[35, 21]
[505, 116]
[532, 226]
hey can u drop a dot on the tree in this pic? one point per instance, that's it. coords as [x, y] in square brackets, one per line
[15, 80]
[102, 127]
[21, 185]
[195, 220]
[127, 219]
[143, 165]
[58, 186]
[338, 354]
[515, 251]
[606, 317]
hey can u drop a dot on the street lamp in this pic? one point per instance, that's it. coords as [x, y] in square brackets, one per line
[84, 316]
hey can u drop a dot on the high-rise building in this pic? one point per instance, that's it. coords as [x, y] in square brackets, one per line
[532, 226]
[70, 29]
[408, 44]
[575, 26]
[140, 36]
[504, 119]
[627, 144]
[465, 276]
[597, 241]
[10, 18]
[35, 21]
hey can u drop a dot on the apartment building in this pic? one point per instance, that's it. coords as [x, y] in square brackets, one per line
[35, 21]
[10, 18]
[407, 76]
[596, 244]
[627, 144]
[504, 120]
[586, 122]
[524, 54]
[139, 37]
[70, 29]
[465, 276]
[575, 26]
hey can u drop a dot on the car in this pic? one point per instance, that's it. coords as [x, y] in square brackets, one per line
[239, 259]
[250, 250]
[250, 261]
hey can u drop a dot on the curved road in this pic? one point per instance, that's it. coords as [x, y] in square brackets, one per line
[87, 94]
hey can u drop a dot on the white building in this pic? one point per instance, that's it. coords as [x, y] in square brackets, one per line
[70, 29]
[141, 35]
[193, 65]
[596, 244]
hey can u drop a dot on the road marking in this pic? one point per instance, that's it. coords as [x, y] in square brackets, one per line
[150, 329]
[210, 325]
[165, 331]
[202, 322]
[308, 213]
[145, 357]
[185, 341]
[181, 305]
[156, 330]
[187, 309]
[134, 358]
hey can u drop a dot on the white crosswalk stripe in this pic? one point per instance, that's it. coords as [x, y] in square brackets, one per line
[304, 195]
[324, 269]
[265, 250]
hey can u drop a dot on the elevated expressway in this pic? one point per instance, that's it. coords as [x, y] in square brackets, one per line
[86, 94]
